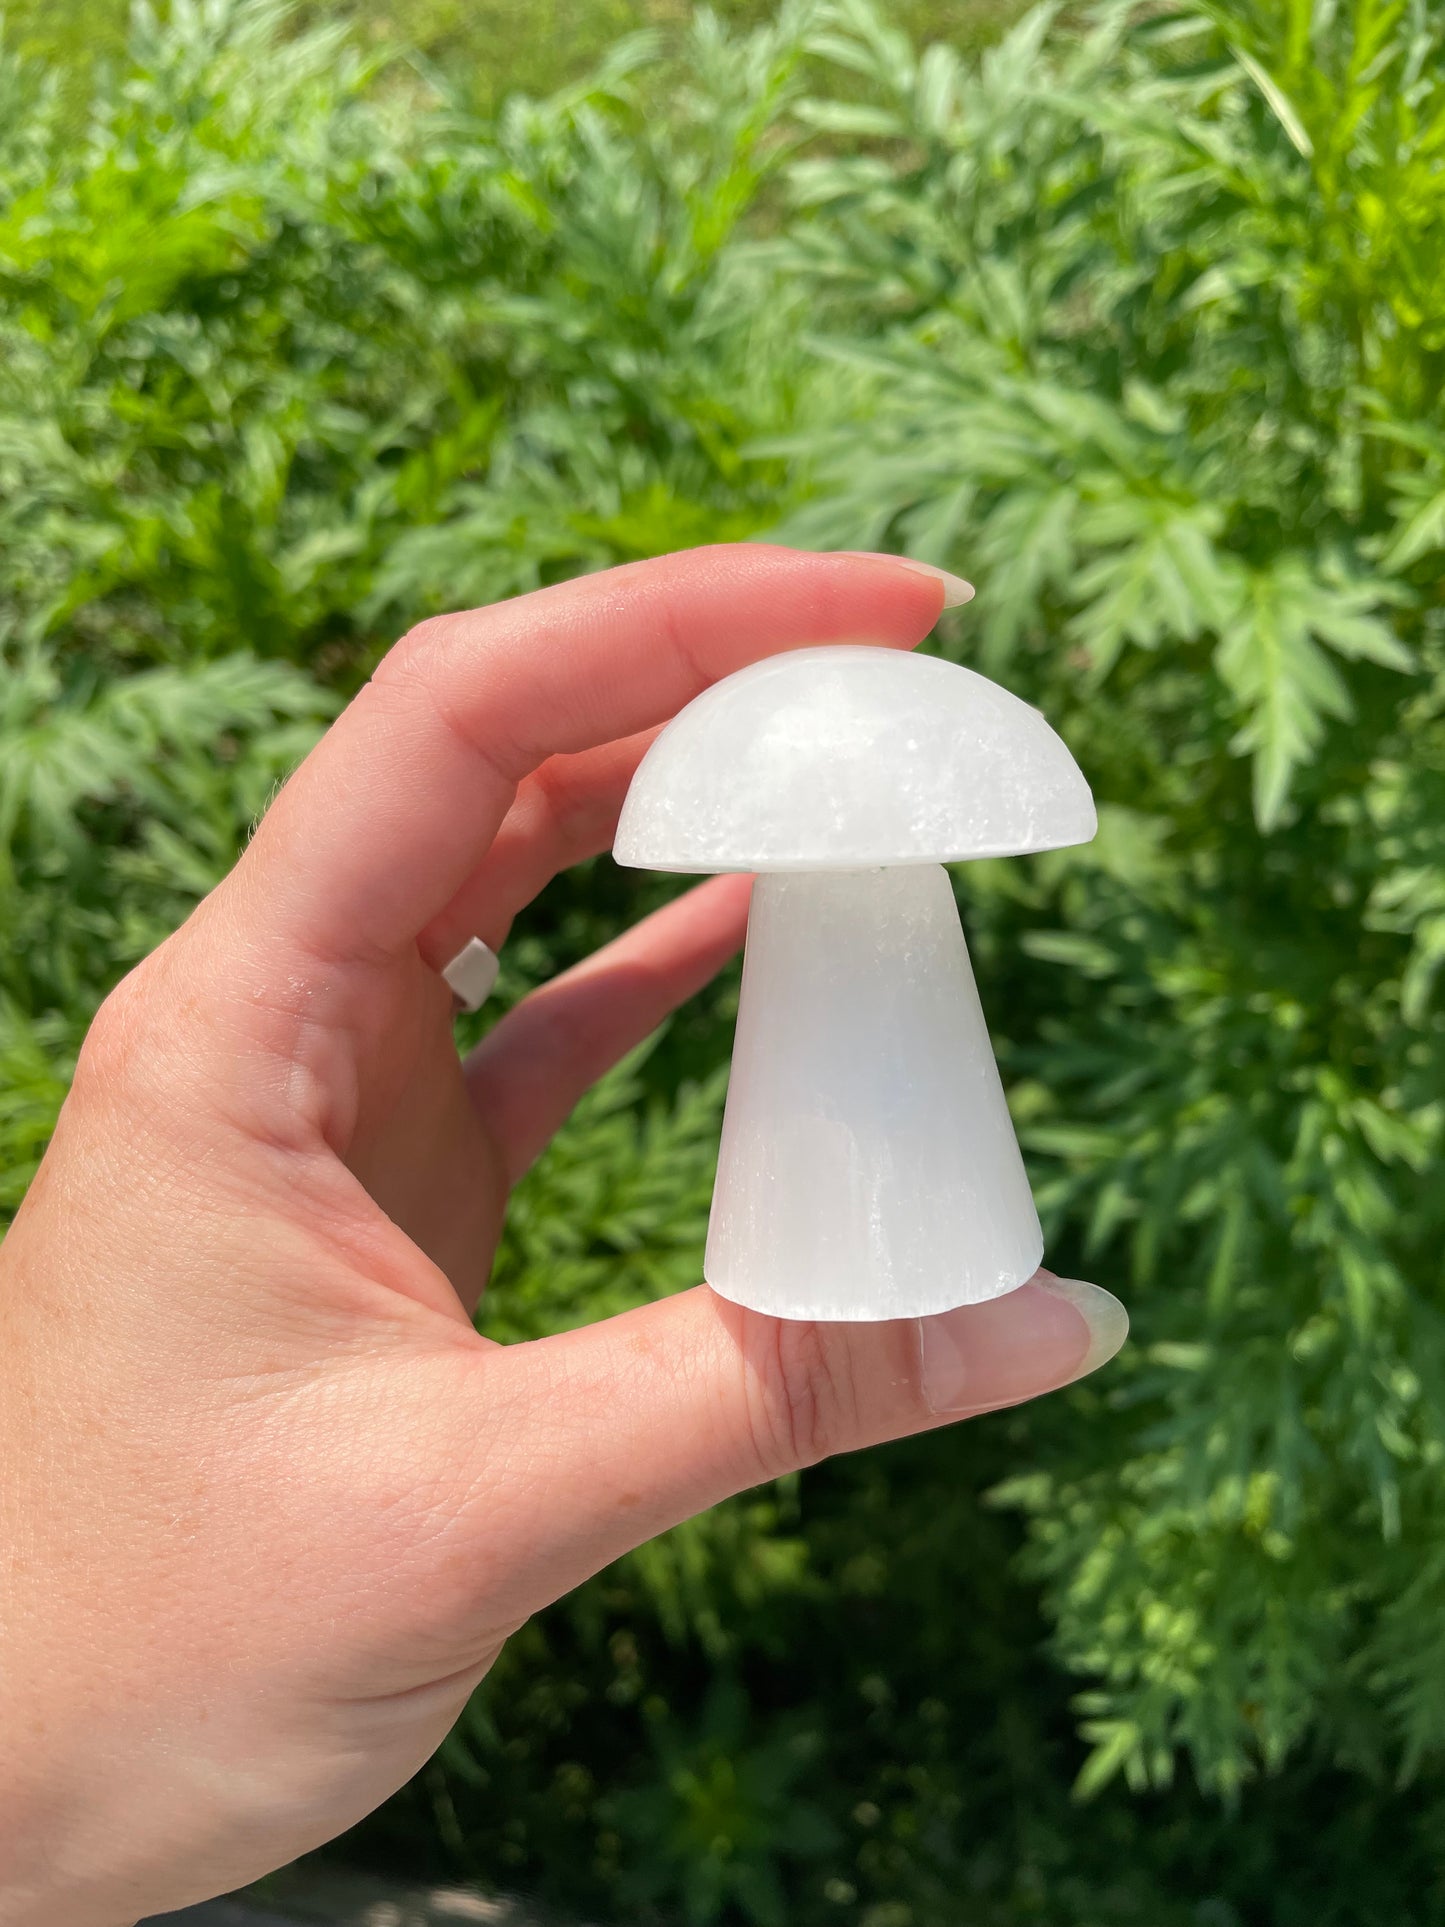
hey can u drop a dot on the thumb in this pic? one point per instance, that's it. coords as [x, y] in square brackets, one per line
[624, 1428]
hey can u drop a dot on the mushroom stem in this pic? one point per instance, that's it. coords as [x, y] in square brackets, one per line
[868, 1166]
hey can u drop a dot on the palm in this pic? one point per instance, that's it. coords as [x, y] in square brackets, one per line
[339, 1296]
[374, 1460]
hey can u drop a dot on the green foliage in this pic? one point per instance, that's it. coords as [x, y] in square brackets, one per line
[496, 46]
[719, 1817]
[614, 1213]
[1159, 366]
[1137, 319]
[122, 800]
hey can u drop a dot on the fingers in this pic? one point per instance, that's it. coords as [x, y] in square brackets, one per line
[528, 1072]
[619, 1430]
[388, 816]
[563, 813]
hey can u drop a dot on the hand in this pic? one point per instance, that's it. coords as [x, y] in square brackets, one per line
[270, 1505]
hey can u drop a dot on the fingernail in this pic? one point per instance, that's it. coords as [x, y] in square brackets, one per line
[1045, 1335]
[955, 590]
[1106, 1318]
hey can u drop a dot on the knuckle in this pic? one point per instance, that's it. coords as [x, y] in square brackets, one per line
[133, 1050]
[803, 1405]
[417, 646]
[117, 1032]
[421, 673]
[571, 809]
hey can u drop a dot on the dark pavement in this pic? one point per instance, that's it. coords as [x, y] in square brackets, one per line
[336, 1899]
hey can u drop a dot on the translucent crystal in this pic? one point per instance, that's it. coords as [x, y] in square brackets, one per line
[868, 1167]
[837, 758]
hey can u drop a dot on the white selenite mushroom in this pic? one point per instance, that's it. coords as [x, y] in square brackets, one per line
[868, 1167]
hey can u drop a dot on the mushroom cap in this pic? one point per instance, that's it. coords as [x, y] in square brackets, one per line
[850, 758]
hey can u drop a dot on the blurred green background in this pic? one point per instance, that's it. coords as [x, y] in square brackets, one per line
[314, 321]
[491, 48]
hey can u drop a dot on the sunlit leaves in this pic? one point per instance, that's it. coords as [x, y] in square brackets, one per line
[1273, 660]
[1137, 321]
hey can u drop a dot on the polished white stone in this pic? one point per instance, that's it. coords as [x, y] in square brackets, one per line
[848, 756]
[868, 1167]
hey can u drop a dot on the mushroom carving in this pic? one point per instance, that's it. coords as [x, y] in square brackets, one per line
[868, 1166]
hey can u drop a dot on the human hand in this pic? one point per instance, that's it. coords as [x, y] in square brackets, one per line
[270, 1505]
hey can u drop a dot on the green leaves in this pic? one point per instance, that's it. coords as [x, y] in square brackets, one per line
[613, 1214]
[1136, 321]
[1273, 663]
[721, 1817]
[67, 748]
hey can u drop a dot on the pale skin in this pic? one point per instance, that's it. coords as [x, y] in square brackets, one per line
[270, 1506]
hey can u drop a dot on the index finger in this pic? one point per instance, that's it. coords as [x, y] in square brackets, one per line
[385, 819]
